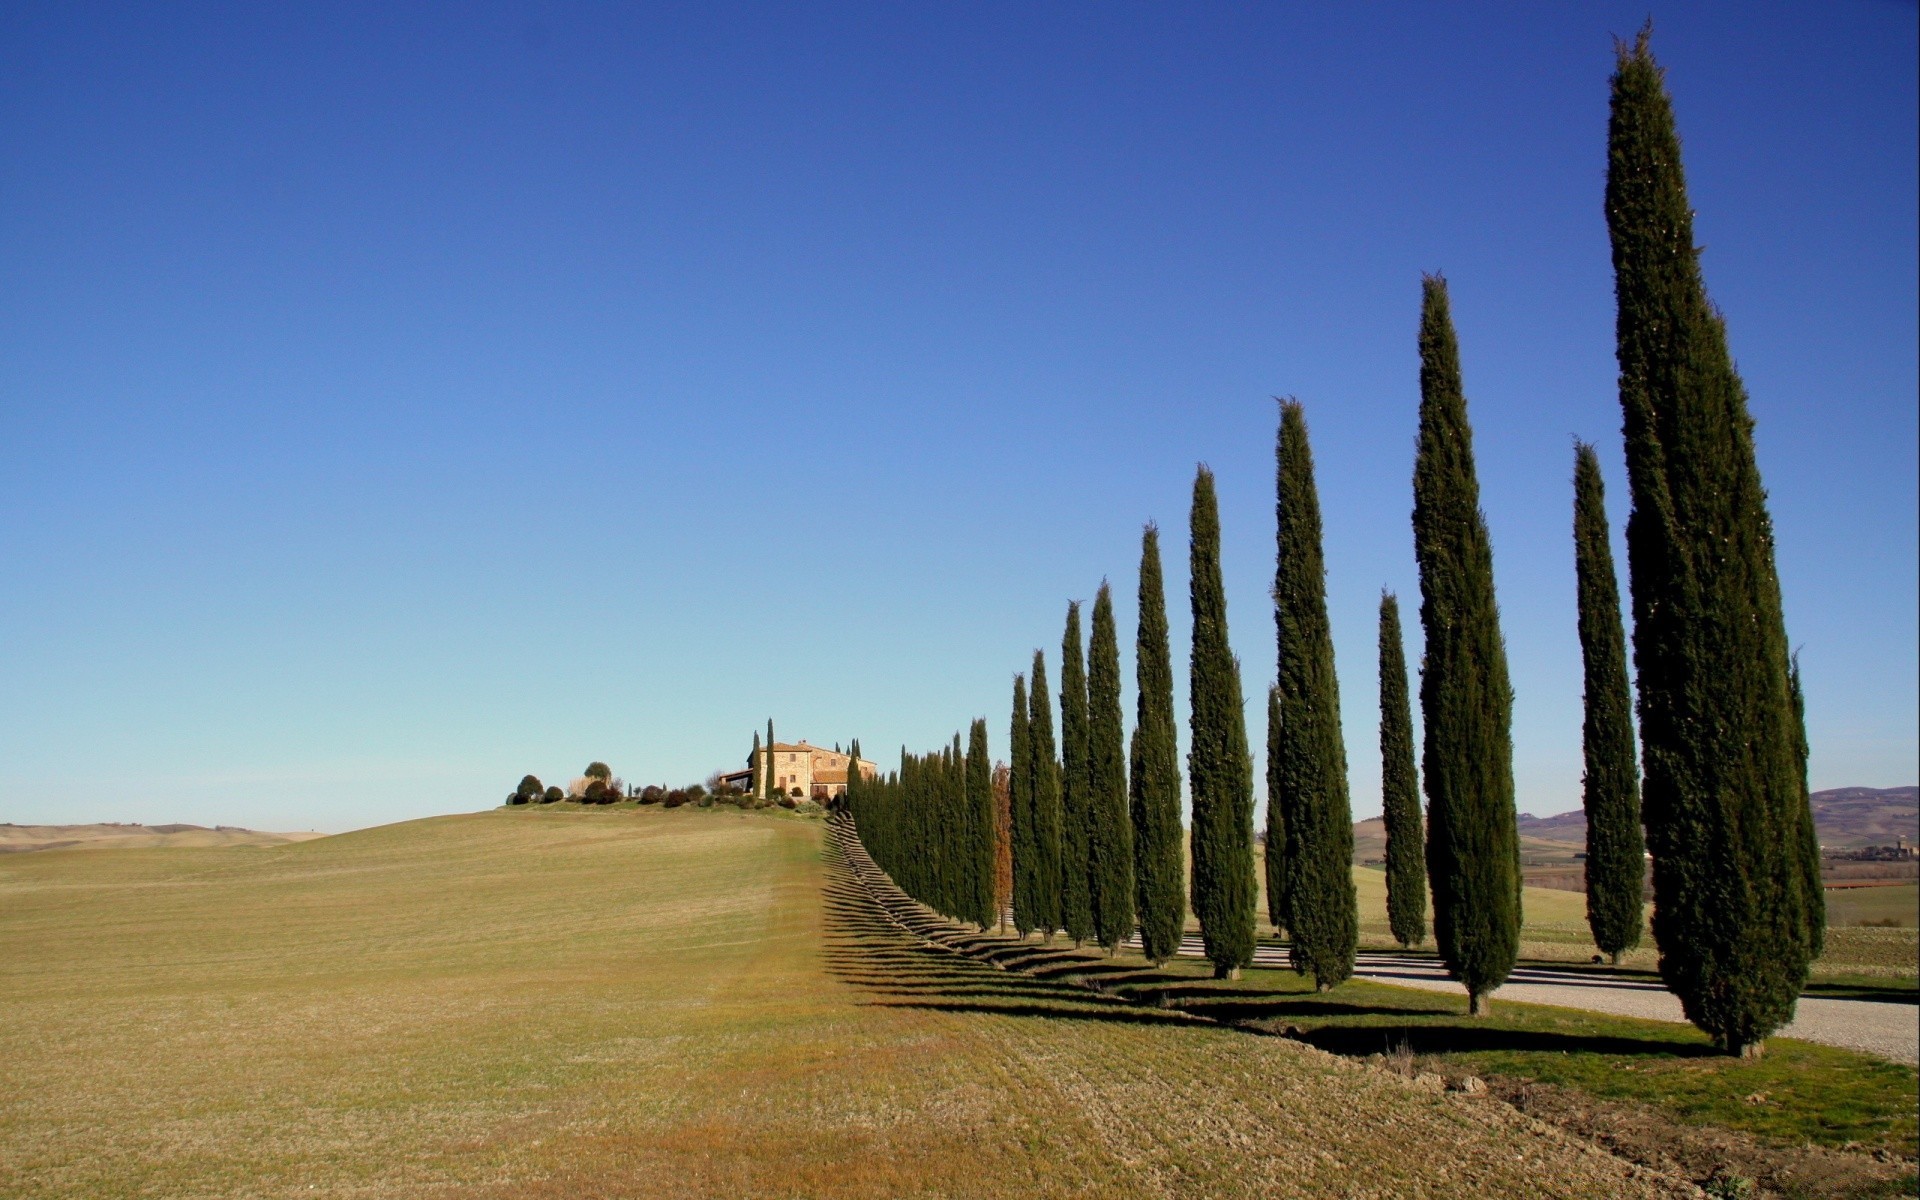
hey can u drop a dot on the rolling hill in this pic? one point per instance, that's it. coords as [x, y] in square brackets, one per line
[540, 1004]
[1847, 818]
[114, 836]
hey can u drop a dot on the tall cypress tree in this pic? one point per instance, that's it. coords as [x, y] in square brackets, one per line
[1616, 851]
[1045, 776]
[1473, 843]
[772, 793]
[1020, 786]
[1809, 855]
[1110, 844]
[1076, 867]
[1400, 787]
[1219, 769]
[1160, 885]
[757, 767]
[1323, 917]
[1275, 856]
[983, 826]
[1735, 913]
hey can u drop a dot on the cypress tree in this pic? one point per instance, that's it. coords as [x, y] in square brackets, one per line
[768, 773]
[1046, 801]
[1219, 769]
[1400, 787]
[1616, 851]
[1160, 885]
[1275, 857]
[1076, 866]
[1020, 800]
[759, 768]
[982, 820]
[1002, 784]
[1323, 918]
[1736, 914]
[1110, 844]
[1809, 856]
[1473, 843]
[959, 841]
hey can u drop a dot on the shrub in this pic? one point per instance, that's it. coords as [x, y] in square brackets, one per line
[808, 808]
[530, 786]
[797, 794]
[516, 798]
[598, 770]
[789, 802]
[596, 792]
[675, 798]
[696, 792]
[553, 795]
[652, 794]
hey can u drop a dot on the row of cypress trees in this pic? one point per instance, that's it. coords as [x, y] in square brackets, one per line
[1096, 832]
[931, 825]
[1738, 912]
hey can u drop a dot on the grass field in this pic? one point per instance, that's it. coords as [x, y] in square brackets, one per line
[639, 1003]
[1897, 906]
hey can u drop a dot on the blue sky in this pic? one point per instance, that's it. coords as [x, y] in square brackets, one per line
[396, 402]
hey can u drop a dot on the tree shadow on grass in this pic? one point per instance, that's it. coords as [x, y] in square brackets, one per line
[891, 948]
[1117, 1014]
[1461, 1036]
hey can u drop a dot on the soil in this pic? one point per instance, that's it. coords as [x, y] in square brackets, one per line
[1643, 1134]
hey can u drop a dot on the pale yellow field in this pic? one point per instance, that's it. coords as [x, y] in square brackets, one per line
[16, 838]
[638, 1003]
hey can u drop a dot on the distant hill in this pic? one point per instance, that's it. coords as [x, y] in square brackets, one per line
[1846, 818]
[112, 836]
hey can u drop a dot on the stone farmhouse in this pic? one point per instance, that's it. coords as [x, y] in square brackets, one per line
[819, 774]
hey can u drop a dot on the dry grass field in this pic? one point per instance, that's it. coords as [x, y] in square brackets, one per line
[640, 1003]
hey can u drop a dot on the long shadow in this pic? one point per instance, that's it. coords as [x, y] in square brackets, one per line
[1118, 1014]
[1453, 1037]
[888, 946]
[1877, 993]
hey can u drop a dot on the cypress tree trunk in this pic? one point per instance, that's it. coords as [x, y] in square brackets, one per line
[1473, 844]
[1323, 919]
[1400, 787]
[1076, 866]
[1737, 910]
[1616, 851]
[1020, 801]
[1275, 855]
[1160, 885]
[1219, 769]
[1046, 801]
[982, 818]
[1110, 844]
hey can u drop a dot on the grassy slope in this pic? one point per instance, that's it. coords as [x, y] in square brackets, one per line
[550, 1003]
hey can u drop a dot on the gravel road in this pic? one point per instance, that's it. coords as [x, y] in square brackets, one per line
[1873, 1027]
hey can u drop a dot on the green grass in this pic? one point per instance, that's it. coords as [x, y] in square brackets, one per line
[1898, 905]
[636, 1002]
[1808, 1093]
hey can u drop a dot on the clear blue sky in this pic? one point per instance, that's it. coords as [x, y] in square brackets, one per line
[396, 402]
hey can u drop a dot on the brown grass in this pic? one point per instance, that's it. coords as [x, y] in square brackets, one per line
[639, 1003]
